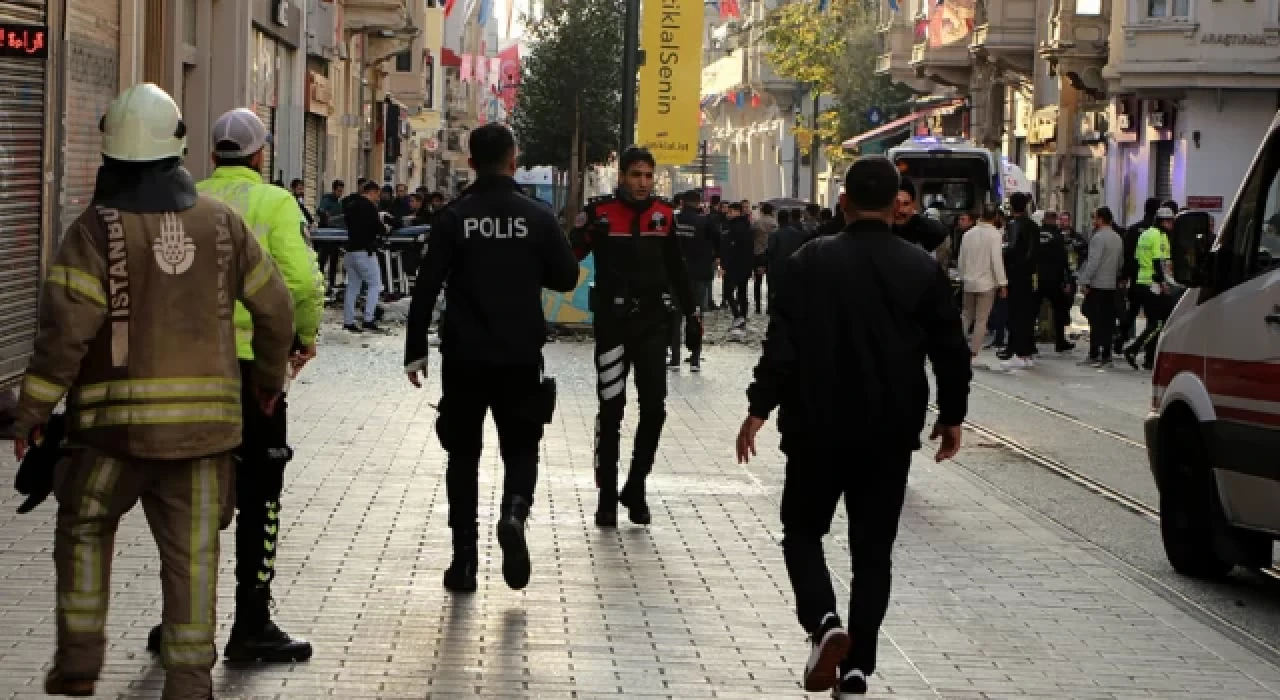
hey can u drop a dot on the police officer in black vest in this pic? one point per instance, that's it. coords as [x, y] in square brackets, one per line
[497, 248]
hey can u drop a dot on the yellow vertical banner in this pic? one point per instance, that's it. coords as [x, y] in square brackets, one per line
[668, 114]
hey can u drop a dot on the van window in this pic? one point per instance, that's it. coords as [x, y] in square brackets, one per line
[1251, 237]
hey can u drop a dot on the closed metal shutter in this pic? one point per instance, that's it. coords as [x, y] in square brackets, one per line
[267, 114]
[92, 81]
[22, 91]
[1164, 170]
[314, 136]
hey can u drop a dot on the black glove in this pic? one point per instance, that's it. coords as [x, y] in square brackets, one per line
[35, 474]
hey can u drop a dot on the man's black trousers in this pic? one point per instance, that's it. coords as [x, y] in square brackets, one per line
[1129, 318]
[635, 343]
[1022, 317]
[735, 290]
[471, 390]
[1052, 291]
[260, 462]
[1156, 308]
[1102, 306]
[873, 487]
[679, 333]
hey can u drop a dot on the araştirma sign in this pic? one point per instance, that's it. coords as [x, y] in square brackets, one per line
[669, 115]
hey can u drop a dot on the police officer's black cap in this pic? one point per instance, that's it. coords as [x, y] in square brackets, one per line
[871, 183]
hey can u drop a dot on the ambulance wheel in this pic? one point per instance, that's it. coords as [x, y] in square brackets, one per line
[1189, 515]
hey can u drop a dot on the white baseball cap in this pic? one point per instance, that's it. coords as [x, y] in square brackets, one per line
[243, 128]
[1164, 213]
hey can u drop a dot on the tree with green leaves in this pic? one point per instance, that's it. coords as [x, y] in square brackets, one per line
[834, 49]
[566, 112]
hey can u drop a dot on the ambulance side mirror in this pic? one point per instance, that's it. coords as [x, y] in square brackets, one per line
[1192, 247]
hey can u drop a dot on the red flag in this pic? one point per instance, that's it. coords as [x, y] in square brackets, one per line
[729, 8]
[448, 7]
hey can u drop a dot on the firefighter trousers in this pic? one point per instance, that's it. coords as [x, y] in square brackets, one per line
[639, 343]
[186, 503]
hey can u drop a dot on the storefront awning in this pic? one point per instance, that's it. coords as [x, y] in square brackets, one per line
[899, 125]
[885, 131]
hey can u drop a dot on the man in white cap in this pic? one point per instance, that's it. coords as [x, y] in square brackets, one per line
[147, 273]
[239, 138]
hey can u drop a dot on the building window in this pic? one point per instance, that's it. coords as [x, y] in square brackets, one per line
[189, 11]
[404, 62]
[1168, 8]
[432, 4]
[1090, 8]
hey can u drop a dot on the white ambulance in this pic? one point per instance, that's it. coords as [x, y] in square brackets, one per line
[1213, 436]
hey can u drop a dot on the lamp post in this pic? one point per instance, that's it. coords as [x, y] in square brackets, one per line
[630, 64]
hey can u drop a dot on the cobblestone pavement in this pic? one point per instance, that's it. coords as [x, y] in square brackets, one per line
[991, 600]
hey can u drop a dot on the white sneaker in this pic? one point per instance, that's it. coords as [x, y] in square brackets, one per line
[1016, 363]
[822, 670]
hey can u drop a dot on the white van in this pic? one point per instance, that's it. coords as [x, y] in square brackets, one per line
[1213, 436]
[950, 174]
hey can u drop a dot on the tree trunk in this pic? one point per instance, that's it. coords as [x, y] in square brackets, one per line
[581, 201]
[575, 165]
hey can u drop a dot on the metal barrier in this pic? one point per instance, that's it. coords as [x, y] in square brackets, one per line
[391, 258]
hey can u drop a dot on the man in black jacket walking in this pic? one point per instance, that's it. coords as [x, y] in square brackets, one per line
[845, 360]
[699, 239]
[1054, 279]
[1021, 248]
[786, 240]
[737, 256]
[498, 248]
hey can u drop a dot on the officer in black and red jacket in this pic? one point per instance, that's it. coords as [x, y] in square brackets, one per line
[638, 264]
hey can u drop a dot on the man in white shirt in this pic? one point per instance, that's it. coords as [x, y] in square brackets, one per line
[981, 267]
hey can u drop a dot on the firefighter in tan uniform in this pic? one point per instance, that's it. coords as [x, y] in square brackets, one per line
[136, 333]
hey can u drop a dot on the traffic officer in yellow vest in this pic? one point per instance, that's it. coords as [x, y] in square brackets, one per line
[272, 213]
[147, 273]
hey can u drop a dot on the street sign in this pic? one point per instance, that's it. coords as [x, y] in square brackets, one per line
[875, 116]
[1204, 203]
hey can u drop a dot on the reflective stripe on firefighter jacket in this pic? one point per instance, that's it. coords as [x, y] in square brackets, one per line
[275, 219]
[136, 331]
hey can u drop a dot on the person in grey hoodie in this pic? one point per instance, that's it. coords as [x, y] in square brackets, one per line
[1098, 282]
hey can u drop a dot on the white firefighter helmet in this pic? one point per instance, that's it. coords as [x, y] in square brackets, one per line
[143, 124]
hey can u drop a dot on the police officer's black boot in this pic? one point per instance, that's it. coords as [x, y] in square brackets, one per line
[460, 577]
[515, 550]
[254, 637]
[632, 496]
[607, 508]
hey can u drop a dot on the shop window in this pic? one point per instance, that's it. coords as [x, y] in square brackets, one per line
[1168, 8]
[1090, 8]
[404, 62]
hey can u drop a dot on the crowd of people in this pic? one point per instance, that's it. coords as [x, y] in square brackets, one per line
[1010, 264]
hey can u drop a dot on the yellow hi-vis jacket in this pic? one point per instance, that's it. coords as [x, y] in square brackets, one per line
[273, 216]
